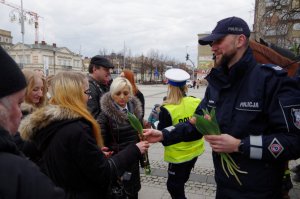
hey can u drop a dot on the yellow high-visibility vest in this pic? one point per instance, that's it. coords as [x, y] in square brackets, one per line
[183, 151]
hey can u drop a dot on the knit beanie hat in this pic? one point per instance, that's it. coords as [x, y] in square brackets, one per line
[11, 77]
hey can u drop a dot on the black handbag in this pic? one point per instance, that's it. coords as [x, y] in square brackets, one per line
[116, 188]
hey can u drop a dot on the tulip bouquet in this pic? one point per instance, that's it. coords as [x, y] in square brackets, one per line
[136, 124]
[207, 125]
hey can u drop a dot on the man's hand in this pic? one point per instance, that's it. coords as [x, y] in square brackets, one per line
[152, 135]
[193, 120]
[223, 143]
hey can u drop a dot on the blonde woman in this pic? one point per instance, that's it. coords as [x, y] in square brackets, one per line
[116, 129]
[179, 108]
[35, 96]
[69, 141]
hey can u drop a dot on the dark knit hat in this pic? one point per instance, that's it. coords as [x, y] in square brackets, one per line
[11, 77]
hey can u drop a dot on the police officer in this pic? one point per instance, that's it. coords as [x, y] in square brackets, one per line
[257, 108]
[178, 108]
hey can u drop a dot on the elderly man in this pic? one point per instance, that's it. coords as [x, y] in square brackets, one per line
[99, 78]
[256, 107]
[20, 178]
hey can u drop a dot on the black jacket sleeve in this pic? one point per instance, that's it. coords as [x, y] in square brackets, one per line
[165, 119]
[22, 179]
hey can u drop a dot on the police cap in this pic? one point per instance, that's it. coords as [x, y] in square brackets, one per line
[177, 77]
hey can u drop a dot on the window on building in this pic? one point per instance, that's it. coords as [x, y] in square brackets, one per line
[35, 59]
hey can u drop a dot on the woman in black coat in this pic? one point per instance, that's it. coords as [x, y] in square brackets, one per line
[69, 141]
[116, 129]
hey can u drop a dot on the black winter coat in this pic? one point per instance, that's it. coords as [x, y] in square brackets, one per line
[97, 90]
[118, 133]
[20, 178]
[69, 154]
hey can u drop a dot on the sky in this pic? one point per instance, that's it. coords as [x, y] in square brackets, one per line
[169, 27]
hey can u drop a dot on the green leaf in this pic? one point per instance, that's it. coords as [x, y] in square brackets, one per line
[134, 122]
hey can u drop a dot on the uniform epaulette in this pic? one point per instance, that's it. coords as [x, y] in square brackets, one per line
[277, 69]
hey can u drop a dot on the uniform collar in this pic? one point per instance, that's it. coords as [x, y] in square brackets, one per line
[221, 77]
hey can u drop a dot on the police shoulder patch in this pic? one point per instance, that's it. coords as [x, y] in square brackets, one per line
[277, 69]
[275, 148]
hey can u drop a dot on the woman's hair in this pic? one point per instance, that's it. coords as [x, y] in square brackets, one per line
[49, 80]
[128, 74]
[67, 89]
[175, 94]
[118, 84]
[31, 77]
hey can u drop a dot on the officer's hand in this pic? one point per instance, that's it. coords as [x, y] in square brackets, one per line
[223, 143]
[193, 120]
[152, 135]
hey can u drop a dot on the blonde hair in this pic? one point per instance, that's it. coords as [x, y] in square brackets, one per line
[175, 94]
[31, 77]
[67, 89]
[118, 84]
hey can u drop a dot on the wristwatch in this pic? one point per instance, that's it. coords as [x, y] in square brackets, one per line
[240, 147]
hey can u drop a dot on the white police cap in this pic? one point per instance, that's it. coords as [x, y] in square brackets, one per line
[177, 77]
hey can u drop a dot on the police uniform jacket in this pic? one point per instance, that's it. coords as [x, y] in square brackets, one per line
[260, 105]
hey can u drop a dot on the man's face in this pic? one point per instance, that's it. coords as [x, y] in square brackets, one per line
[11, 112]
[225, 50]
[102, 74]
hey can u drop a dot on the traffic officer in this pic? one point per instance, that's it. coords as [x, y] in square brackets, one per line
[258, 111]
[178, 108]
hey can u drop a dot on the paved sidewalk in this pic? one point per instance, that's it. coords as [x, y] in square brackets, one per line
[201, 184]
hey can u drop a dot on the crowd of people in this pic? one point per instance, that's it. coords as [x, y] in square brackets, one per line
[68, 135]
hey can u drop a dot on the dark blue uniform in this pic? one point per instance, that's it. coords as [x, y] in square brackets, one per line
[260, 105]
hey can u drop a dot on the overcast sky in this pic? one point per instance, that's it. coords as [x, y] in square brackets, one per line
[87, 26]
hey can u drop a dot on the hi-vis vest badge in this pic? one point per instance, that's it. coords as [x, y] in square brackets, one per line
[296, 117]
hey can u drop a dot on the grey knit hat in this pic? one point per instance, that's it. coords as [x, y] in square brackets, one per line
[11, 77]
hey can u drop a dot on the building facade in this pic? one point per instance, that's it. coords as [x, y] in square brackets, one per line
[278, 22]
[5, 39]
[49, 58]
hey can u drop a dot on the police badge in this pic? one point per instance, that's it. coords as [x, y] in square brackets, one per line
[296, 117]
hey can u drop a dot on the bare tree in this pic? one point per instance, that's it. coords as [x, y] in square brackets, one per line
[276, 20]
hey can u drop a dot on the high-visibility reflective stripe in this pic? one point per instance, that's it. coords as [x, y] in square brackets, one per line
[256, 150]
[255, 153]
[256, 140]
[170, 128]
